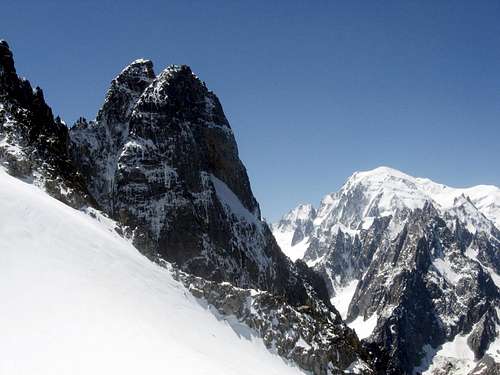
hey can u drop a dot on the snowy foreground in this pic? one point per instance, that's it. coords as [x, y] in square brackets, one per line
[78, 299]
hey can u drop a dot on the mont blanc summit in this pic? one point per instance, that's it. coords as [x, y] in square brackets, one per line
[412, 265]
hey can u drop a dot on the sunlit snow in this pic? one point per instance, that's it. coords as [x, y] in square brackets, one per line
[78, 299]
[343, 297]
[364, 328]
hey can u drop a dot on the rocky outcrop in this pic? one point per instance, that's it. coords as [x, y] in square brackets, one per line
[96, 144]
[483, 333]
[34, 145]
[424, 289]
[311, 335]
[486, 366]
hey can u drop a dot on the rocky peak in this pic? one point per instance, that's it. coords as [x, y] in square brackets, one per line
[19, 90]
[296, 217]
[298, 222]
[96, 144]
[6, 59]
[178, 103]
[418, 262]
[176, 183]
[124, 92]
[177, 87]
[302, 212]
[33, 144]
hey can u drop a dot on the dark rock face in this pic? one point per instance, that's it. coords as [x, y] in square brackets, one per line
[483, 333]
[34, 145]
[161, 159]
[96, 144]
[404, 284]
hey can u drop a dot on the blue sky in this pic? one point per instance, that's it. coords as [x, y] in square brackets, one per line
[314, 90]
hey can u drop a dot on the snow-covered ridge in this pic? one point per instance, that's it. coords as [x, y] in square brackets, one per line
[385, 191]
[385, 229]
[391, 189]
[293, 229]
[79, 299]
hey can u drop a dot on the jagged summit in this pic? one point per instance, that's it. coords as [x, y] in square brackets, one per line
[385, 191]
[178, 92]
[407, 260]
[302, 212]
[162, 160]
[34, 145]
[125, 90]
[6, 59]
[139, 69]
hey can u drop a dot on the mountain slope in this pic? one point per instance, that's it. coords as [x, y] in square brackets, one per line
[79, 299]
[410, 263]
[161, 159]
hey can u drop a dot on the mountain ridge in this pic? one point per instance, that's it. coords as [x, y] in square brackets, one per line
[160, 161]
[408, 260]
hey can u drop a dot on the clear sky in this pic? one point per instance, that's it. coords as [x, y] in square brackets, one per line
[314, 90]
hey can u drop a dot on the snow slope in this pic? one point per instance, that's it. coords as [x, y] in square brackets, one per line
[79, 299]
[343, 297]
[284, 240]
[298, 219]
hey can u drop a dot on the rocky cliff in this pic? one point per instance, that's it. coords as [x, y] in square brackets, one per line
[161, 159]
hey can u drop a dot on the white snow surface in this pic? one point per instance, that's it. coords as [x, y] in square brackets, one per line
[284, 240]
[79, 299]
[364, 328]
[343, 297]
[456, 353]
[389, 189]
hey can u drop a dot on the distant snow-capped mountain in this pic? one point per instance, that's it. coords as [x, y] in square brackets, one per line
[412, 265]
[383, 192]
